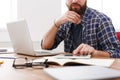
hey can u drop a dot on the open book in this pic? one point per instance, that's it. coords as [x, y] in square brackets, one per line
[71, 62]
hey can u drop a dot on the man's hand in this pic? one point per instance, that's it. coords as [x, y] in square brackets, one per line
[83, 49]
[70, 16]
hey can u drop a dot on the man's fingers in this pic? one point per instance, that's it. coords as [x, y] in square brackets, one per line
[77, 51]
[83, 49]
[73, 17]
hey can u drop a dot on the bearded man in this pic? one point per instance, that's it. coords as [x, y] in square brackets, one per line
[84, 31]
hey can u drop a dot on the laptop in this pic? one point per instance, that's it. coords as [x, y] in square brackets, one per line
[82, 73]
[21, 40]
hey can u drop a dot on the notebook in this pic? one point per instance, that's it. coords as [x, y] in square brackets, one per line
[82, 73]
[21, 40]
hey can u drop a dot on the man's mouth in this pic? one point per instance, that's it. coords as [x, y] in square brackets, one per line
[75, 6]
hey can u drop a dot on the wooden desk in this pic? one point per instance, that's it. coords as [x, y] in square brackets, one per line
[7, 72]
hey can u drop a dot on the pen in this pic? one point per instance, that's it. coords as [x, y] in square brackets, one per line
[1, 62]
[7, 57]
[3, 50]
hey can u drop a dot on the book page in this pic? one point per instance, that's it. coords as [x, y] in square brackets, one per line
[97, 61]
[53, 60]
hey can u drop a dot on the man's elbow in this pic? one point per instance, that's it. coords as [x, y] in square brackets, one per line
[46, 47]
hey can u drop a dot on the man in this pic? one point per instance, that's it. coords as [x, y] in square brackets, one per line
[84, 31]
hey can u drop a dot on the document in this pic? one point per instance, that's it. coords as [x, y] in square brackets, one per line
[77, 61]
[82, 73]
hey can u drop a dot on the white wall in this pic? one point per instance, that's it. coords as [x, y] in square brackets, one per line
[40, 14]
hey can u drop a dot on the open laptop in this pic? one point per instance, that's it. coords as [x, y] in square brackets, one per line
[21, 40]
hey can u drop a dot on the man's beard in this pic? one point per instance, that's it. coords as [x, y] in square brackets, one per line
[81, 9]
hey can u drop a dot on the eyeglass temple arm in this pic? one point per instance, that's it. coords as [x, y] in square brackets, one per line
[46, 63]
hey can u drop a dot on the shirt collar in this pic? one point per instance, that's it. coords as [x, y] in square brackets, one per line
[85, 16]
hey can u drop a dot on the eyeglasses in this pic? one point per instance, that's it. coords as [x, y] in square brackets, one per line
[20, 63]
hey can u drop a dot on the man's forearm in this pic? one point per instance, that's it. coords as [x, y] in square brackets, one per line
[49, 37]
[100, 54]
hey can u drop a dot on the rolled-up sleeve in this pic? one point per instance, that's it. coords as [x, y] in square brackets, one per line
[108, 38]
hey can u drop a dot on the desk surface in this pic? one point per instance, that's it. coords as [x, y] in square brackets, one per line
[7, 72]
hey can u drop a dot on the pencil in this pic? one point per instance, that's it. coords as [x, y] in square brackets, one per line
[1, 62]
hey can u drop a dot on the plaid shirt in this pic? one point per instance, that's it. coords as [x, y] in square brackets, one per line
[98, 32]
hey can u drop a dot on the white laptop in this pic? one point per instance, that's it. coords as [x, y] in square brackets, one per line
[21, 40]
[83, 73]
